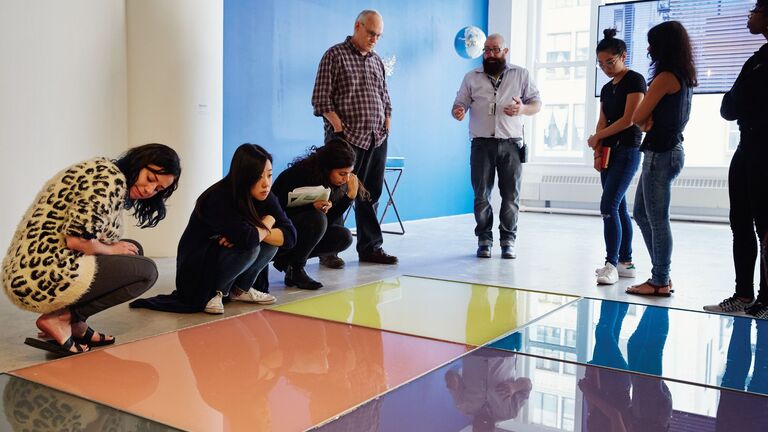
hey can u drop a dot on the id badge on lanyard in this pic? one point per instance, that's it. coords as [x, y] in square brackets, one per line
[492, 105]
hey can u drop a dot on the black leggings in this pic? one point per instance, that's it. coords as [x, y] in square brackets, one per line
[315, 236]
[748, 192]
[119, 278]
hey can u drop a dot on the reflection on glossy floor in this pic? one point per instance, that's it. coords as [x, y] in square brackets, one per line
[695, 347]
[28, 406]
[491, 389]
[261, 371]
[160, 378]
[459, 312]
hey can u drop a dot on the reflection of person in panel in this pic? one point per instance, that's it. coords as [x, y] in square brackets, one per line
[345, 361]
[737, 411]
[488, 388]
[607, 392]
[748, 176]
[319, 227]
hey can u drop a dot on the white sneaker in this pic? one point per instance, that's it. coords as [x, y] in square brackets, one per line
[626, 270]
[731, 305]
[607, 275]
[254, 296]
[214, 305]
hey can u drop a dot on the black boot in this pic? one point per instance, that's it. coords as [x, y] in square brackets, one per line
[296, 276]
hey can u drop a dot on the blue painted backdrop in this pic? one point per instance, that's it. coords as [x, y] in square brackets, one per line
[271, 52]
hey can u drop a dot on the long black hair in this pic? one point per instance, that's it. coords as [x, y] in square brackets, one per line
[670, 50]
[245, 170]
[148, 212]
[611, 44]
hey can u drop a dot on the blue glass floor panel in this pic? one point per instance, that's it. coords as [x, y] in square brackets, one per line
[496, 390]
[694, 347]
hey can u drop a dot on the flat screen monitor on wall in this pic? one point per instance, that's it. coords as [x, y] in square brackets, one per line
[717, 28]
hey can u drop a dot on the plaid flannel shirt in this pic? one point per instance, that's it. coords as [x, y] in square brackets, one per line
[353, 86]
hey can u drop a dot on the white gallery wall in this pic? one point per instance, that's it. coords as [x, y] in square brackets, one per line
[62, 93]
[175, 85]
[86, 78]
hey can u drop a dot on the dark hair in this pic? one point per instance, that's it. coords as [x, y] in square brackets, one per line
[320, 161]
[762, 4]
[611, 44]
[670, 50]
[245, 170]
[148, 212]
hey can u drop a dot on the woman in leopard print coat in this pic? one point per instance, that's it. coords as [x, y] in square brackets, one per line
[67, 260]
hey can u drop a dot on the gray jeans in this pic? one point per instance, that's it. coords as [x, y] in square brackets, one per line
[119, 278]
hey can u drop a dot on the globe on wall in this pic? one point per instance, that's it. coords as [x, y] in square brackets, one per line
[469, 42]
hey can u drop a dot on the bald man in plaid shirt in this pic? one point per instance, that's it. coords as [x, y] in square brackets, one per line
[351, 95]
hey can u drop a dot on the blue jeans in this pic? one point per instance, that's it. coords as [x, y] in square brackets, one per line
[654, 194]
[489, 156]
[240, 268]
[617, 225]
[606, 351]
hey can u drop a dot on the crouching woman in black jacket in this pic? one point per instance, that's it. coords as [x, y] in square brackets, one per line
[319, 225]
[234, 232]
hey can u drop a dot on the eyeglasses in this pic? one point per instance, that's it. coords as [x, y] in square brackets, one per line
[371, 34]
[608, 63]
[494, 50]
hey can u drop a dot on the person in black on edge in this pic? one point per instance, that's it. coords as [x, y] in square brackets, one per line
[746, 103]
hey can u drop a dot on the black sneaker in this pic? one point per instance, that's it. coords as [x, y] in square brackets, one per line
[332, 261]
[296, 276]
[378, 256]
[484, 251]
[758, 310]
[508, 252]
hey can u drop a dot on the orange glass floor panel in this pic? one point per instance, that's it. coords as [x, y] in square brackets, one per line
[261, 371]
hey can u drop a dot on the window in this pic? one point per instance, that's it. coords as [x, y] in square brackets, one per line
[733, 136]
[545, 363]
[544, 409]
[548, 334]
[563, 46]
[569, 414]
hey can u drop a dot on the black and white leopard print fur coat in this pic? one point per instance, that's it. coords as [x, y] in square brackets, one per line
[40, 273]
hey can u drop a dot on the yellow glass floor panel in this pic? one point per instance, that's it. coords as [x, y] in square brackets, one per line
[473, 314]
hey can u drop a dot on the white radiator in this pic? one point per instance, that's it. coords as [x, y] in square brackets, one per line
[691, 196]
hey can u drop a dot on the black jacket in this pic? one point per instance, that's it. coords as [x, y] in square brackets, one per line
[198, 249]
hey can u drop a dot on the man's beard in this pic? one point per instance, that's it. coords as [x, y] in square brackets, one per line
[494, 66]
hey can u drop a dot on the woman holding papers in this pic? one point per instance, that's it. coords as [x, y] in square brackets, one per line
[325, 175]
[616, 143]
[234, 231]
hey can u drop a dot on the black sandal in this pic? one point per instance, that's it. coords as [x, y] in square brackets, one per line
[60, 350]
[87, 339]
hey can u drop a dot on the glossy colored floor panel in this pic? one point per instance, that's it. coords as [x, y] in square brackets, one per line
[458, 312]
[29, 406]
[695, 347]
[494, 390]
[261, 371]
